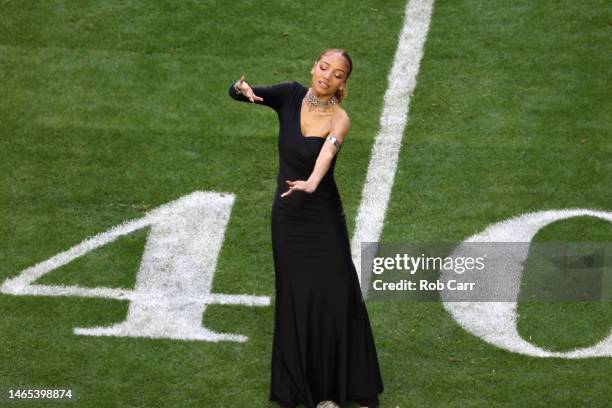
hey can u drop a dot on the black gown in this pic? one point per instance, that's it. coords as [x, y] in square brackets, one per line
[323, 346]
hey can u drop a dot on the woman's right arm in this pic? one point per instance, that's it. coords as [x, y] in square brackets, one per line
[272, 96]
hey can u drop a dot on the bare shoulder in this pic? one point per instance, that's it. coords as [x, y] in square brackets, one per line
[340, 123]
[341, 115]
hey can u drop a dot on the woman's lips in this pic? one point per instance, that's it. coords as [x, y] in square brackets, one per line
[323, 85]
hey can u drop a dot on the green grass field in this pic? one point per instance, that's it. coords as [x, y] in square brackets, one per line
[110, 109]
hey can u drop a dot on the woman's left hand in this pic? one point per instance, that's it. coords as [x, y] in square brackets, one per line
[298, 185]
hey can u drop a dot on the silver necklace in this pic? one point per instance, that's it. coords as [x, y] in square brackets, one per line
[314, 101]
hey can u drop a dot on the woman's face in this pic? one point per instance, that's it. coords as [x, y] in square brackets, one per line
[329, 73]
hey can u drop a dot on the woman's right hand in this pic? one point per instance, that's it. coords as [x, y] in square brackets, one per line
[246, 90]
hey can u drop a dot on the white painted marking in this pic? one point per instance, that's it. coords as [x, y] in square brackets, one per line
[385, 152]
[174, 282]
[495, 322]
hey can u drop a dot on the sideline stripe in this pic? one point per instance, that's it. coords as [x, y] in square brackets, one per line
[385, 152]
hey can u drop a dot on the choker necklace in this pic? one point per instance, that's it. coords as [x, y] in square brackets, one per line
[314, 101]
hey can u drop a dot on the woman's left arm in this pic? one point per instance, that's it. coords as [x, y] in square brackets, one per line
[339, 128]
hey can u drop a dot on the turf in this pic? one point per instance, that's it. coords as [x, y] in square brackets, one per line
[111, 108]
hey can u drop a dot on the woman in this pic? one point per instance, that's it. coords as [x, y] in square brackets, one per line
[323, 347]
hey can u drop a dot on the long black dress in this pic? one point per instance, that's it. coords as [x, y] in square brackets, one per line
[323, 347]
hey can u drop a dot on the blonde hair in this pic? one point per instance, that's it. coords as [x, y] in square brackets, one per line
[340, 93]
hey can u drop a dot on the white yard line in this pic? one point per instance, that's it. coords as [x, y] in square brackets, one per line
[385, 152]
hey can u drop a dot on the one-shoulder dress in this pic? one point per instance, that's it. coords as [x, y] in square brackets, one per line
[323, 347]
